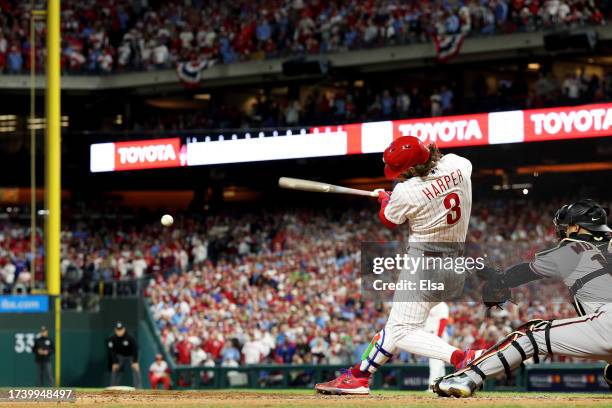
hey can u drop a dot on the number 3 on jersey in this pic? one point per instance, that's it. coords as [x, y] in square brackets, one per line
[451, 202]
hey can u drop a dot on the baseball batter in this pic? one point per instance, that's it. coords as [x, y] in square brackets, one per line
[582, 261]
[434, 200]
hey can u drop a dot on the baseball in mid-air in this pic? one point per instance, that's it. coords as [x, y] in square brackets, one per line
[167, 220]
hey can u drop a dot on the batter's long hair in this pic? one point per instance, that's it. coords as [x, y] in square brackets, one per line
[422, 170]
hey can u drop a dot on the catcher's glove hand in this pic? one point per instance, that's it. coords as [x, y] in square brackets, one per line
[495, 293]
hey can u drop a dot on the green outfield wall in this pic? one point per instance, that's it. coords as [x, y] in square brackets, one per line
[84, 356]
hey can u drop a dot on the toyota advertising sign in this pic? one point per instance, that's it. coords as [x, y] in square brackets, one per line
[135, 155]
[517, 126]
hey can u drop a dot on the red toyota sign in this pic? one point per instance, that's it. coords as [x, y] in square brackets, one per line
[450, 131]
[568, 122]
[147, 154]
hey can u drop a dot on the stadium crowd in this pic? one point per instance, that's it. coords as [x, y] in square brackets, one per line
[376, 100]
[105, 36]
[290, 291]
[282, 286]
[276, 286]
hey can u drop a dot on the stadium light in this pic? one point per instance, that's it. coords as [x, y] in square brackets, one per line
[533, 66]
[202, 97]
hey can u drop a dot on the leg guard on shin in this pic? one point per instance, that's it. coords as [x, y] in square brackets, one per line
[379, 351]
[510, 341]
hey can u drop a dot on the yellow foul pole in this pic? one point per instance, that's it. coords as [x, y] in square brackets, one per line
[53, 172]
[32, 147]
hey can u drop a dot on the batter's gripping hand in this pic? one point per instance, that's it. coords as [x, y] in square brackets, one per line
[383, 197]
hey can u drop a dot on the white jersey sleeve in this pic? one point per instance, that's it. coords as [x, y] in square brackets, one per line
[397, 209]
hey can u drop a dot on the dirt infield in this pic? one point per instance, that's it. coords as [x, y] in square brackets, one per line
[284, 398]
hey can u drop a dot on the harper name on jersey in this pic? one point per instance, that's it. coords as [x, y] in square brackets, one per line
[442, 184]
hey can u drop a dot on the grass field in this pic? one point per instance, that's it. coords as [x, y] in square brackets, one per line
[307, 398]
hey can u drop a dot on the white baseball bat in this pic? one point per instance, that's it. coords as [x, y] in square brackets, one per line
[309, 185]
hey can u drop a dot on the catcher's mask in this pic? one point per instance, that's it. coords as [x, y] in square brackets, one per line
[585, 213]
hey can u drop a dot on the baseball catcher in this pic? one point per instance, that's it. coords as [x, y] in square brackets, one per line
[582, 261]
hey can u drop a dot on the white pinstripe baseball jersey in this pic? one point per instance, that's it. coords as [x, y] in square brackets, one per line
[437, 207]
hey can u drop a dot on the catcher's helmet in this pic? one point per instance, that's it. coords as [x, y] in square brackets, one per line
[403, 153]
[585, 213]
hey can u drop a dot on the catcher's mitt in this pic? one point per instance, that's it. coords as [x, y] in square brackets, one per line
[495, 292]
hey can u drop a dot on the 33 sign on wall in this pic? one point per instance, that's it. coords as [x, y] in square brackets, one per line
[24, 342]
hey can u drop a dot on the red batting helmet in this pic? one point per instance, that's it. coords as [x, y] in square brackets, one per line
[403, 153]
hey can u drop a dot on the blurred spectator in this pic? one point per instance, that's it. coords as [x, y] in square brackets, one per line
[159, 373]
[387, 103]
[14, 60]
[446, 99]
[571, 87]
[436, 103]
[373, 101]
[402, 103]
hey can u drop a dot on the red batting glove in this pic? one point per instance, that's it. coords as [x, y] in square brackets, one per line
[384, 197]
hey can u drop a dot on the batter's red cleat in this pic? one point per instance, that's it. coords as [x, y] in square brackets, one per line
[346, 383]
[468, 357]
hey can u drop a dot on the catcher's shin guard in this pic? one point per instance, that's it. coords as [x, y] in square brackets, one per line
[379, 351]
[498, 351]
[511, 341]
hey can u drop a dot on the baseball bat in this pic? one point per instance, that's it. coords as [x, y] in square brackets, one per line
[309, 185]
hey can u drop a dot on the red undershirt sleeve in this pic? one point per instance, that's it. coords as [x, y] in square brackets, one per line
[442, 327]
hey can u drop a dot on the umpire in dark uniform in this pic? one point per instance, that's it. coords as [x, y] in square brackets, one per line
[123, 351]
[43, 348]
